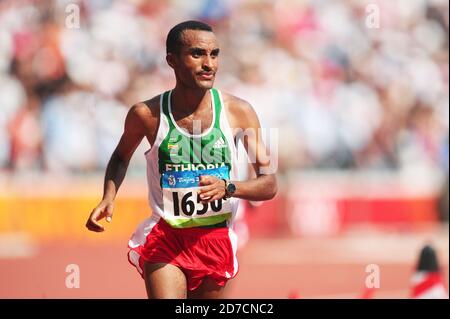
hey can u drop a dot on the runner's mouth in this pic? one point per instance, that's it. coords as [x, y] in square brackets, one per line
[206, 76]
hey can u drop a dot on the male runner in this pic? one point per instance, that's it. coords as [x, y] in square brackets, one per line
[187, 248]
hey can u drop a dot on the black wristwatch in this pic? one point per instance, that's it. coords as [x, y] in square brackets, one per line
[230, 189]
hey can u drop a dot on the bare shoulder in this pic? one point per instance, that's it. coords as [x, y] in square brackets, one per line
[241, 113]
[145, 114]
[236, 104]
[147, 110]
[143, 118]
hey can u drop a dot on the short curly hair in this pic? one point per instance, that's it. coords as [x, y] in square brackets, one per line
[174, 41]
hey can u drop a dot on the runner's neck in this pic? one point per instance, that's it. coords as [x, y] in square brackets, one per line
[187, 101]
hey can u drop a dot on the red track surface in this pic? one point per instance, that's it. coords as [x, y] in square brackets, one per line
[106, 273]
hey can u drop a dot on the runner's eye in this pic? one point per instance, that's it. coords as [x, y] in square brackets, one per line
[196, 53]
[215, 53]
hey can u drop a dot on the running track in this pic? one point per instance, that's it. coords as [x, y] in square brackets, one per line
[270, 268]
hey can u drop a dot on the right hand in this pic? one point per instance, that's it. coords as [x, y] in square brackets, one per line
[104, 209]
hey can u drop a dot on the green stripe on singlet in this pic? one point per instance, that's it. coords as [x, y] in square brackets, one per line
[196, 222]
[217, 107]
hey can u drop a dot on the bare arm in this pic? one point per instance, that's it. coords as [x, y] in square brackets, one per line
[264, 186]
[134, 131]
[120, 158]
[244, 120]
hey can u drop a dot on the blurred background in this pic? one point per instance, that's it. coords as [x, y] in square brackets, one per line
[357, 90]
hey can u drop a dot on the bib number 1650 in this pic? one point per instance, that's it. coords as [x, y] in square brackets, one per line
[188, 206]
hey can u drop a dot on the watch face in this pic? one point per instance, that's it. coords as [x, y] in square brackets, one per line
[231, 188]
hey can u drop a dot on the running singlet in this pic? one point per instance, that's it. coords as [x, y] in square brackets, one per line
[176, 161]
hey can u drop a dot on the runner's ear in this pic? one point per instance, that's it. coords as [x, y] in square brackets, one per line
[170, 58]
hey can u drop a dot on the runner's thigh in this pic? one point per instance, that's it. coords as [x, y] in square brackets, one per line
[164, 281]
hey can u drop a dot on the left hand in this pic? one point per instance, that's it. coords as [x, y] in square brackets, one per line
[213, 188]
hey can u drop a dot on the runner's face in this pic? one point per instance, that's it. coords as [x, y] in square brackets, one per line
[197, 63]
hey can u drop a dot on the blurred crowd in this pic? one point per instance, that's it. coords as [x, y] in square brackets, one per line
[347, 85]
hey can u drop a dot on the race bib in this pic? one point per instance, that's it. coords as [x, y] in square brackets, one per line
[182, 205]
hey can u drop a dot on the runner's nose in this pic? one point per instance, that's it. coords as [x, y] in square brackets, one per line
[207, 63]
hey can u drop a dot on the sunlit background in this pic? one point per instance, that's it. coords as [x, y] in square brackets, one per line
[357, 90]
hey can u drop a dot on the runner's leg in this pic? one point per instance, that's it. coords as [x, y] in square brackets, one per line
[164, 281]
[207, 290]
